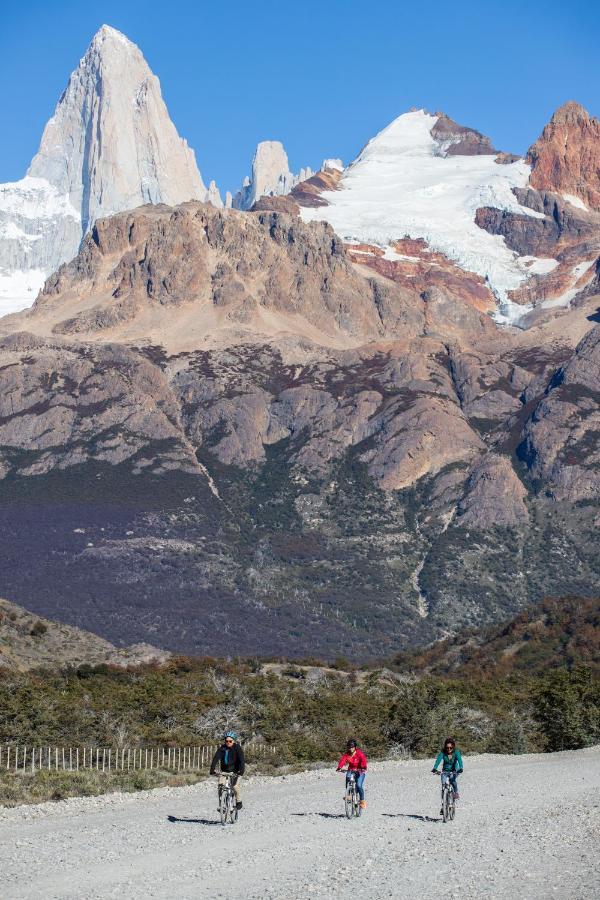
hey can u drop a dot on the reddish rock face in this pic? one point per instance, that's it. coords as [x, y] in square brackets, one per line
[308, 193]
[566, 158]
[423, 270]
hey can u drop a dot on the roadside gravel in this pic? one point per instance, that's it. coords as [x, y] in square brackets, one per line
[526, 827]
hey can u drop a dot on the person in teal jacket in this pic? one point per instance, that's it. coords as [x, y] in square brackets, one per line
[452, 763]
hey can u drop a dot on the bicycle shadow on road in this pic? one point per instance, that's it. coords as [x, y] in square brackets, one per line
[193, 821]
[323, 815]
[411, 816]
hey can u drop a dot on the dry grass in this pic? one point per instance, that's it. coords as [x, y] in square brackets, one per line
[26, 787]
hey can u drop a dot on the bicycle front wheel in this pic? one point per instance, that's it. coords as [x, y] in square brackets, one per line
[223, 807]
[349, 804]
[233, 813]
[445, 806]
[357, 806]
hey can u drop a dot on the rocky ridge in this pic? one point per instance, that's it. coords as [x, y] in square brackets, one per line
[251, 421]
[566, 158]
[30, 642]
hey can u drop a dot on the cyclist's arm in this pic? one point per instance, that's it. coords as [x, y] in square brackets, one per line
[342, 762]
[215, 762]
[241, 761]
[439, 758]
[459, 760]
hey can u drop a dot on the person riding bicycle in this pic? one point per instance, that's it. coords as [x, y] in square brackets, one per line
[231, 758]
[356, 761]
[452, 764]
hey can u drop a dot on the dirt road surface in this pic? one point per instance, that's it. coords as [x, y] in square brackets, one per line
[526, 827]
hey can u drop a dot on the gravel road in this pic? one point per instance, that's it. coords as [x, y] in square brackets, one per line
[526, 827]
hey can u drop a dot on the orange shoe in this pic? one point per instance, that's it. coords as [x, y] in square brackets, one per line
[363, 804]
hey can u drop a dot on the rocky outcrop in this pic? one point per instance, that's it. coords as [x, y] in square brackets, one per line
[222, 269]
[457, 140]
[561, 440]
[65, 405]
[566, 157]
[28, 641]
[562, 243]
[495, 495]
[308, 193]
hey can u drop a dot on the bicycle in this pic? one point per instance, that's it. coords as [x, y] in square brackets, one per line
[227, 799]
[448, 804]
[352, 805]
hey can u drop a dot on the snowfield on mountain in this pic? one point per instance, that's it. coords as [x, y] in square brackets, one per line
[403, 184]
[526, 827]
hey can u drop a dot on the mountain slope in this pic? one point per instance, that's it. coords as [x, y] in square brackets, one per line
[30, 642]
[109, 146]
[219, 434]
[549, 635]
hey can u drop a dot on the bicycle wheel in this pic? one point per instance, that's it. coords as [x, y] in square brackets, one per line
[223, 807]
[452, 809]
[233, 813]
[349, 803]
[445, 806]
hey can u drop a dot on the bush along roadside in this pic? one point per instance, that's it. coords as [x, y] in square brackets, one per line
[306, 711]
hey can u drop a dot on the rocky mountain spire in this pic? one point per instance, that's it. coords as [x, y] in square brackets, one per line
[565, 159]
[110, 146]
[271, 176]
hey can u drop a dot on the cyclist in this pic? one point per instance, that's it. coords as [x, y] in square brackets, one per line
[356, 761]
[230, 756]
[452, 764]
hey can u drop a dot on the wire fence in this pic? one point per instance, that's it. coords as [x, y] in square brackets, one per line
[15, 758]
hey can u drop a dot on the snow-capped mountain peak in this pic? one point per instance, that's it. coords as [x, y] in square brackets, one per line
[109, 146]
[407, 183]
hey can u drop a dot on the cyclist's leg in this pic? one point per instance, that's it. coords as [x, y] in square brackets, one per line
[237, 789]
[360, 781]
[454, 784]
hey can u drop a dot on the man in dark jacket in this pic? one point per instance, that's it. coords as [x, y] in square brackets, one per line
[230, 756]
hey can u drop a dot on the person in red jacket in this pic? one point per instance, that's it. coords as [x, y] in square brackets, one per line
[356, 762]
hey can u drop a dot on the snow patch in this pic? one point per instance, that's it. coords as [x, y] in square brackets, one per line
[19, 289]
[539, 266]
[575, 201]
[35, 198]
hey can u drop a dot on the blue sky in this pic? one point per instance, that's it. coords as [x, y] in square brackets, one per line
[322, 77]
